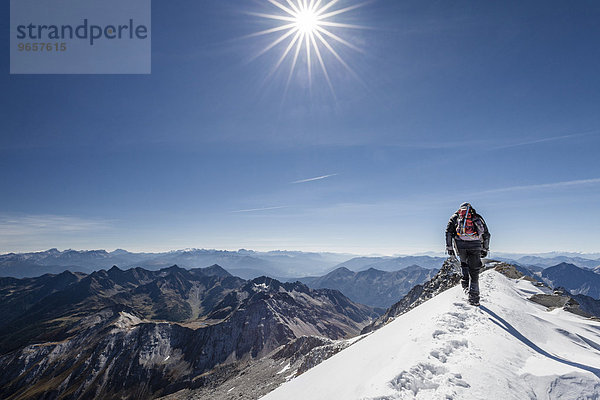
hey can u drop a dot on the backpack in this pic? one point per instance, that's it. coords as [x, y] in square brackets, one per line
[468, 226]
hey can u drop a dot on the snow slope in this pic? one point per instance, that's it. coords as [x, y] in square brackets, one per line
[509, 348]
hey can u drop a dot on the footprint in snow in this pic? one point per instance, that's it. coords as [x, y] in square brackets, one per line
[426, 377]
[433, 377]
[442, 353]
[437, 333]
[462, 306]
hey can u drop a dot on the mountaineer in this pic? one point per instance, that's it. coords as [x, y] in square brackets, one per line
[468, 232]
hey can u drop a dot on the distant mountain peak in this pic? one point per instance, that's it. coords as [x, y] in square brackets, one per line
[446, 278]
[373, 286]
[266, 283]
[119, 252]
[565, 265]
[66, 273]
[413, 267]
[174, 267]
[576, 279]
[341, 271]
[215, 270]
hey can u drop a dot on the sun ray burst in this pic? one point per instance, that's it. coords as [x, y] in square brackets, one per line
[272, 30]
[316, 5]
[318, 54]
[285, 53]
[273, 16]
[296, 54]
[338, 39]
[340, 11]
[293, 6]
[274, 43]
[284, 8]
[306, 35]
[326, 7]
[307, 39]
[332, 51]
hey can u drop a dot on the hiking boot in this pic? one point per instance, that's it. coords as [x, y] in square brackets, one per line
[465, 286]
[473, 302]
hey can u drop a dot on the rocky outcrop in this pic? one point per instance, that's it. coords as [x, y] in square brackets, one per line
[304, 311]
[557, 298]
[588, 304]
[253, 380]
[447, 277]
[561, 298]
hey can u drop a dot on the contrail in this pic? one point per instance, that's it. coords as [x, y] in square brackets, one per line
[258, 209]
[546, 185]
[314, 179]
[544, 140]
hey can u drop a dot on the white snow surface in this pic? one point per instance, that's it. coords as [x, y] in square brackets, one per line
[509, 348]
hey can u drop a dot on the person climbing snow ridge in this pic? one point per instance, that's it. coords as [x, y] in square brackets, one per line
[468, 231]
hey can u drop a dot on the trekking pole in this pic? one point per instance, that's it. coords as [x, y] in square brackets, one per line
[455, 259]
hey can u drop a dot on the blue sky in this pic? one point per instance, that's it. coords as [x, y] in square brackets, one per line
[496, 103]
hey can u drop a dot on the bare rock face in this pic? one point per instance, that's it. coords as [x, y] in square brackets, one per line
[373, 287]
[557, 298]
[588, 304]
[508, 270]
[171, 294]
[446, 278]
[551, 301]
[143, 334]
[252, 380]
[561, 298]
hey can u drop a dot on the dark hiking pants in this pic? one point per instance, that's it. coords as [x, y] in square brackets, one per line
[470, 262]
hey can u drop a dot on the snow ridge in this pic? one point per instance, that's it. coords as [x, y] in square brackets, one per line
[509, 348]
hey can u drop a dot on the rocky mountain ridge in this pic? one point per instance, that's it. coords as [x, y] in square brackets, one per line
[576, 280]
[372, 287]
[142, 334]
[386, 263]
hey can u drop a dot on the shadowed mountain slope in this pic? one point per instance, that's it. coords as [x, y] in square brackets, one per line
[373, 287]
[576, 280]
[141, 334]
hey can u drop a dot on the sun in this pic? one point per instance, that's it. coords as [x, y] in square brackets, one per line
[307, 30]
[307, 21]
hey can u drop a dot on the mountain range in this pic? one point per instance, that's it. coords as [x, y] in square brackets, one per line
[372, 287]
[589, 261]
[391, 263]
[141, 334]
[247, 264]
[203, 333]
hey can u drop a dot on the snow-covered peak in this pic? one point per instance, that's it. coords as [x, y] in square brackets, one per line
[509, 348]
